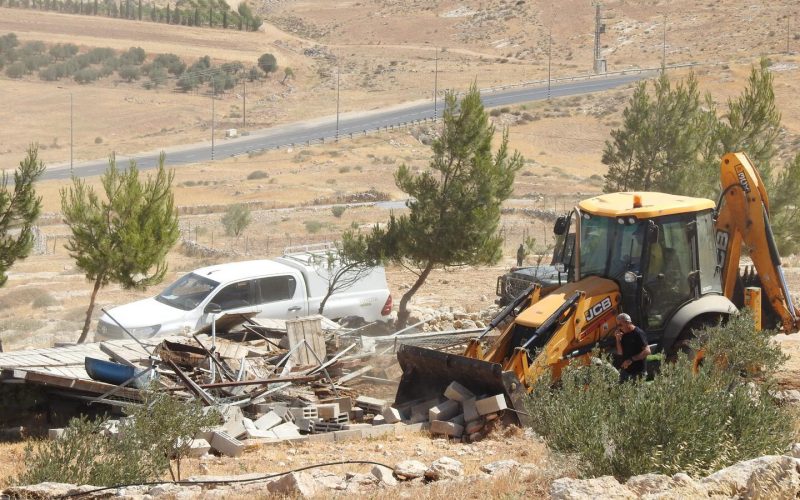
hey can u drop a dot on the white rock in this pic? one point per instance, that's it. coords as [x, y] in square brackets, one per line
[410, 469]
[500, 467]
[444, 468]
[605, 487]
[384, 475]
[649, 483]
[794, 451]
[329, 480]
[779, 472]
[300, 484]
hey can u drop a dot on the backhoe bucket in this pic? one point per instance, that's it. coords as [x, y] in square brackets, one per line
[427, 373]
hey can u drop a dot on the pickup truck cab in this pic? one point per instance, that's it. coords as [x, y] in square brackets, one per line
[283, 288]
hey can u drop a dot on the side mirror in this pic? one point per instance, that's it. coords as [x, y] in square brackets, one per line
[212, 308]
[652, 233]
[560, 227]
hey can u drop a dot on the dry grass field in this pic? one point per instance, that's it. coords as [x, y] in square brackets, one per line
[386, 51]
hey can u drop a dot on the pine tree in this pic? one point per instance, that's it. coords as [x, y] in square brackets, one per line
[19, 208]
[454, 206]
[125, 236]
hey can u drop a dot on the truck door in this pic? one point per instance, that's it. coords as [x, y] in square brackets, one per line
[280, 297]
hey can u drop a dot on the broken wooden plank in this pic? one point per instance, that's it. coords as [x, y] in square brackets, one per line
[355, 374]
[310, 331]
[191, 385]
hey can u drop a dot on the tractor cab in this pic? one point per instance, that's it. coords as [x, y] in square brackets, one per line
[658, 248]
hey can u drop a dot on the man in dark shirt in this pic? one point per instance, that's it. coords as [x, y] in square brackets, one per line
[632, 348]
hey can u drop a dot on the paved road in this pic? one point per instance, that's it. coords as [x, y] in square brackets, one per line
[354, 123]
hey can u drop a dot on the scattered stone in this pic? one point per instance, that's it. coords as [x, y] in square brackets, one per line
[268, 421]
[391, 415]
[329, 480]
[500, 467]
[384, 475]
[457, 392]
[780, 472]
[410, 469]
[301, 484]
[491, 404]
[605, 487]
[445, 428]
[444, 411]
[444, 468]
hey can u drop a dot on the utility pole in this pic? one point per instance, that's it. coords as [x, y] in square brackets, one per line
[244, 103]
[337, 103]
[436, 86]
[664, 47]
[787, 33]
[549, 44]
[213, 91]
[71, 128]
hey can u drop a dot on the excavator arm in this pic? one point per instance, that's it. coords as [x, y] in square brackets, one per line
[743, 218]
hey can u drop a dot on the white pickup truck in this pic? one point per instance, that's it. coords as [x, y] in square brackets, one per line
[282, 288]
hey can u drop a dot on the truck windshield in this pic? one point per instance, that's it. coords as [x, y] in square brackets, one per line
[608, 248]
[188, 292]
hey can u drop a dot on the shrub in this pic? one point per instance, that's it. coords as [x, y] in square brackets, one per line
[680, 421]
[86, 75]
[495, 112]
[16, 70]
[129, 73]
[236, 218]
[338, 210]
[257, 174]
[98, 140]
[50, 73]
[173, 63]
[44, 300]
[267, 63]
[344, 170]
[160, 428]
[313, 226]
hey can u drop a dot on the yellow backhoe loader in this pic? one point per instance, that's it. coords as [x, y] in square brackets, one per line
[670, 262]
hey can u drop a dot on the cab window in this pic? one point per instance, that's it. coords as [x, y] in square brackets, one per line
[235, 295]
[276, 288]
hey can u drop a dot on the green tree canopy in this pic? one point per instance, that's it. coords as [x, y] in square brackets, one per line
[236, 219]
[124, 237]
[19, 208]
[267, 63]
[454, 205]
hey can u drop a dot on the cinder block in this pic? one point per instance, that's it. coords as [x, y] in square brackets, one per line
[268, 421]
[350, 427]
[322, 437]
[474, 426]
[374, 405]
[328, 411]
[55, 433]
[248, 424]
[491, 404]
[286, 430]
[379, 431]
[307, 412]
[305, 424]
[345, 403]
[327, 427]
[227, 445]
[234, 427]
[260, 434]
[444, 411]
[342, 418]
[412, 427]
[378, 420]
[356, 414]
[198, 448]
[419, 412]
[446, 428]
[392, 415]
[470, 411]
[457, 392]
[348, 435]
[458, 419]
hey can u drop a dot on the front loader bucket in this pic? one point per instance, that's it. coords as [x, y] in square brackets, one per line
[427, 373]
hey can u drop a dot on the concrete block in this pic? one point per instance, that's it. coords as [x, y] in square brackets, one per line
[305, 424]
[450, 429]
[227, 445]
[343, 418]
[419, 412]
[327, 426]
[345, 403]
[458, 419]
[378, 420]
[457, 392]
[328, 411]
[444, 411]
[412, 427]
[349, 435]
[286, 430]
[248, 424]
[379, 431]
[356, 414]
[474, 426]
[268, 421]
[55, 433]
[491, 404]
[198, 448]
[234, 428]
[307, 412]
[322, 437]
[393, 372]
[260, 434]
[470, 411]
[372, 405]
[350, 427]
[391, 415]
